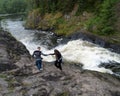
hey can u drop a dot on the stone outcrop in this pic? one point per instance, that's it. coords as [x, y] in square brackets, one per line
[72, 81]
[12, 52]
[114, 66]
[23, 79]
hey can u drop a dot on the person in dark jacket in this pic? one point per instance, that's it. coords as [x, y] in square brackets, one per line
[58, 60]
[37, 55]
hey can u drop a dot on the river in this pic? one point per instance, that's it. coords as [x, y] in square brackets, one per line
[76, 51]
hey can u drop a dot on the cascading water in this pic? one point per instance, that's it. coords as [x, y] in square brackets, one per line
[77, 51]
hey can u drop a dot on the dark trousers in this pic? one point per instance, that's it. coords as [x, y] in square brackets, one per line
[38, 64]
[58, 64]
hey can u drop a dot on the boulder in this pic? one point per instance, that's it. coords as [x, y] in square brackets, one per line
[11, 52]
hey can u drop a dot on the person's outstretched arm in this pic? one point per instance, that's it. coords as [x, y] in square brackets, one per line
[33, 54]
[44, 54]
[52, 54]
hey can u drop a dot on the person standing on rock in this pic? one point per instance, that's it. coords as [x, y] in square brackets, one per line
[58, 60]
[37, 55]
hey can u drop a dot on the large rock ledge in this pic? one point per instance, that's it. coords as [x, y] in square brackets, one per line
[72, 81]
[11, 52]
[20, 76]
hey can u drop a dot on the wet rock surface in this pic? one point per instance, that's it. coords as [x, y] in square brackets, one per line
[26, 80]
[114, 66]
[47, 38]
[72, 81]
[12, 52]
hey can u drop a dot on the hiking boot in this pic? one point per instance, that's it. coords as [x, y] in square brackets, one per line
[41, 69]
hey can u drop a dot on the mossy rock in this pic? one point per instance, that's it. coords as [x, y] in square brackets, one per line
[66, 93]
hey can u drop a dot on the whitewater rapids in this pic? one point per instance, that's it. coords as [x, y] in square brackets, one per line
[76, 51]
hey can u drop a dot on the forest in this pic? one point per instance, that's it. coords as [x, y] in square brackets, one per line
[97, 17]
[67, 16]
[12, 6]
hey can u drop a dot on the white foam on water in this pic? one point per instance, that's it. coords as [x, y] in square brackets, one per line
[90, 55]
[78, 51]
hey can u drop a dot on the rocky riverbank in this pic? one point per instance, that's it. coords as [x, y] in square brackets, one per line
[12, 52]
[72, 81]
[20, 77]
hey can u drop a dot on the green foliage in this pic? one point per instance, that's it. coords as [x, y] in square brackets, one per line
[108, 30]
[62, 25]
[12, 6]
[66, 93]
[103, 23]
[88, 5]
[3, 76]
[52, 6]
[64, 6]
[107, 19]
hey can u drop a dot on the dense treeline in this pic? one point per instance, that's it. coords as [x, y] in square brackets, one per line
[103, 22]
[64, 6]
[68, 16]
[100, 17]
[97, 16]
[12, 6]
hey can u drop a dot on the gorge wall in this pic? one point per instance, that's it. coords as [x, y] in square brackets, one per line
[12, 52]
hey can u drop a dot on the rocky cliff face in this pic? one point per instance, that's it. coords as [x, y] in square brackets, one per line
[12, 52]
[21, 78]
